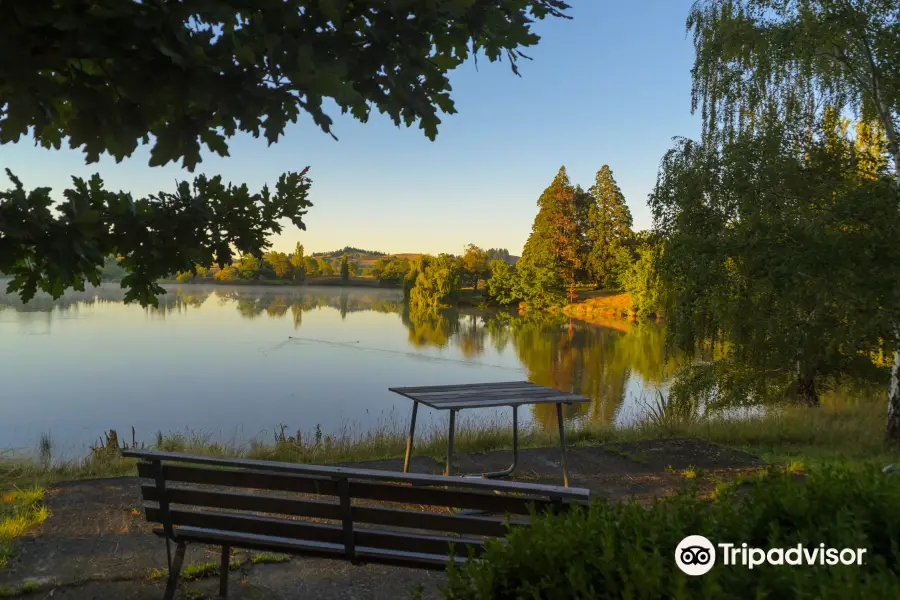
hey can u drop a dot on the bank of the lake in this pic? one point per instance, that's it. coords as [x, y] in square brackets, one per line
[845, 429]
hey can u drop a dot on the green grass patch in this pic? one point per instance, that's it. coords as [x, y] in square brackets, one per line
[20, 510]
[264, 558]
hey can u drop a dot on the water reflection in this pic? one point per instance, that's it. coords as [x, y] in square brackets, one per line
[596, 361]
[608, 362]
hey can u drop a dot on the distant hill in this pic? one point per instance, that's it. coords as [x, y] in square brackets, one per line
[349, 251]
[366, 258]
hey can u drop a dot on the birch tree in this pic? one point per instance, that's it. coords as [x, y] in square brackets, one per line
[793, 58]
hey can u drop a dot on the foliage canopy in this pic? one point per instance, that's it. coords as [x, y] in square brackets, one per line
[112, 74]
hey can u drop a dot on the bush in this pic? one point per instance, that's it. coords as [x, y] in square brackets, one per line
[626, 550]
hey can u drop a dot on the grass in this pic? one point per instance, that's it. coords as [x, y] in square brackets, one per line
[266, 558]
[195, 571]
[20, 510]
[610, 302]
[841, 429]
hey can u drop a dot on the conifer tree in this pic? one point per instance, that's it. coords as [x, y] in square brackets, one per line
[552, 256]
[609, 228]
[345, 268]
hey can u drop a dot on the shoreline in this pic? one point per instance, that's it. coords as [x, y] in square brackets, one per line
[845, 429]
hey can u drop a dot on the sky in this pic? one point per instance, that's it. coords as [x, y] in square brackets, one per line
[611, 86]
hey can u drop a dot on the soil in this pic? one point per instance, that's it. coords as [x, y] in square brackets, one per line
[96, 543]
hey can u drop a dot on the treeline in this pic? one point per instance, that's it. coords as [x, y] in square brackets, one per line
[349, 251]
[293, 267]
[428, 281]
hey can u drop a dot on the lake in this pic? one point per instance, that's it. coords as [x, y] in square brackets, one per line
[238, 361]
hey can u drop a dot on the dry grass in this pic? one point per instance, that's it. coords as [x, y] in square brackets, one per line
[602, 302]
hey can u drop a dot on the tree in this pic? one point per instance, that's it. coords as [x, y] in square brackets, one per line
[352, 269]
[311, 267]
[771, 243]
[325, 268]
[640, 279]
[475, 265]
[503, 286]
[226, 273]
[552, 256]
[201, 224]
[437, 280]
[175, 75]
[280, 263]
[608, 229]
[499, 254]
[755, 57]
[298, 262]
[345, 268]
[248, 267]
[391, 269]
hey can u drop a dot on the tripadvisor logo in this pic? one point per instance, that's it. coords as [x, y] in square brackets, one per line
[696, 555]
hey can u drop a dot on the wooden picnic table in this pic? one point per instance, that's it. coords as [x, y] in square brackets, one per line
[487, 395]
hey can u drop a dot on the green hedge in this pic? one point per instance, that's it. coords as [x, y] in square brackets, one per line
[626, 550]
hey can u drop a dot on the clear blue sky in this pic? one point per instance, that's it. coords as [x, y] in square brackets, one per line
[610, 87]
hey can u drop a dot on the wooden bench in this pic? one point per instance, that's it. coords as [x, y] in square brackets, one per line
[273, 517]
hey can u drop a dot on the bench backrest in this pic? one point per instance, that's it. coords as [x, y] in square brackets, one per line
[262, 498]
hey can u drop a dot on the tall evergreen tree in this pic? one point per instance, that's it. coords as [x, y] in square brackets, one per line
[298, 261]
[345, 268]
[608, 229]
[552, 256]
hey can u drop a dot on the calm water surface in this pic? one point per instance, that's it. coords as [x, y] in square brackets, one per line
[236, 362]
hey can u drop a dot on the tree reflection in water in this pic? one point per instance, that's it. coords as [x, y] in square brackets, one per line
[594, 360]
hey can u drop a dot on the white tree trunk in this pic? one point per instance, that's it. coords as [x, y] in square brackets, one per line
[892, 430]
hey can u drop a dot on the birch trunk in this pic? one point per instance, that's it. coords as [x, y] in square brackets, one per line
[892, 430]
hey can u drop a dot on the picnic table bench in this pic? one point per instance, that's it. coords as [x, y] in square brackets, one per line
[274, 518]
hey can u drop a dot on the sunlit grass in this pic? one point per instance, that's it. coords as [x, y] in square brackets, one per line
[20, 510]
[844, 428]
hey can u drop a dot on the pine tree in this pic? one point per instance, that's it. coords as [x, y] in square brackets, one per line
[345, 268]
[608, 229]
[552, 256]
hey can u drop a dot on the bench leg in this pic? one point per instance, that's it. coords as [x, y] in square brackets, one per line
[449, 470]
[562, 442]
[409, 440]
[223, 571]
[174, 573]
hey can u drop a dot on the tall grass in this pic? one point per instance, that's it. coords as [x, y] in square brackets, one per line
[843, 428]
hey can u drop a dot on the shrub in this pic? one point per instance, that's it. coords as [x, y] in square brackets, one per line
[626, 550]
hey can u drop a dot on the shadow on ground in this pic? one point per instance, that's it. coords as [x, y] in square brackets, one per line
[96, 543]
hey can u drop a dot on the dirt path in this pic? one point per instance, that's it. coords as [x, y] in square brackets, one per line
[97, 545]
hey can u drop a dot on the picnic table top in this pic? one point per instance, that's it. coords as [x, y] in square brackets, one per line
[482, 395]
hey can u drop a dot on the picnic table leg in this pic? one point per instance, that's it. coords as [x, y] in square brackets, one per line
[223, 571]
[174, 573]
[562, 442]
[409, 440]
[449, 469]
[509, 470]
